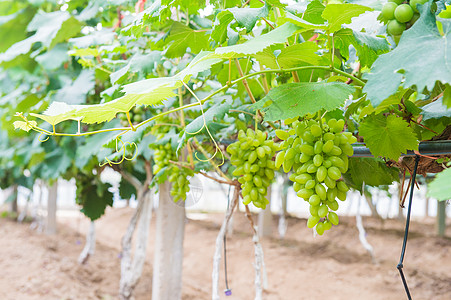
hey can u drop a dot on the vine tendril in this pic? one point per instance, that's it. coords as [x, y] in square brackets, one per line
[204, 125]
[122, 149]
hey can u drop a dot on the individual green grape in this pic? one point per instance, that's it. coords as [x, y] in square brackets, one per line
[281, 134]
[318, 155]
[388, 10]
[320, 228]
[403, 13]
[333, 218]
[254, 165]
[312, 221]
[395, 28]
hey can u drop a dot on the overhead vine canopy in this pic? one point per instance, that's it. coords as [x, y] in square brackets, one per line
[209, 71]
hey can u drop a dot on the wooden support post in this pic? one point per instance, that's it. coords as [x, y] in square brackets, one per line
[441, 218]
[168, 260]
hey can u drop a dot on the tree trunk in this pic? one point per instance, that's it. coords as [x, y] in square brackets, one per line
[51, 208]
[168, 260]
[441, 218]
[282, 227]
[265, 218]
[23, 214]
[14, 208]
[131, 268]
[362, 233]
[90, 246]
[36, 213]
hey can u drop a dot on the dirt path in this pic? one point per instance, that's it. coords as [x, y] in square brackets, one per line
[34, 266]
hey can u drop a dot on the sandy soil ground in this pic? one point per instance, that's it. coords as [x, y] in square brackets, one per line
[335, 266]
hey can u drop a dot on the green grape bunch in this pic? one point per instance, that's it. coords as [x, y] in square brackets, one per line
[252, 156]
[163, 155]
[318, 155]
[400, 15]
[180, 183]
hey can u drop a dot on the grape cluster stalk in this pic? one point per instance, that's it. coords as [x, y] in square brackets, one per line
[252, 156]
[317, 153]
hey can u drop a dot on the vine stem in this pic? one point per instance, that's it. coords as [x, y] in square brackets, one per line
[246, 85]
[249, 92]
[236, 183]
[222, 89]
[182, 116]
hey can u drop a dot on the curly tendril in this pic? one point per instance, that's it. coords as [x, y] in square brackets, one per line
[204, 125]
[124, 154]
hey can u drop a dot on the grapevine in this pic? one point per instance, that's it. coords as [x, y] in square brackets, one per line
[252, 156]
[317, 152]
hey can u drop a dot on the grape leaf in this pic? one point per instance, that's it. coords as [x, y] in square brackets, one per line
[126, 189]
[75, 92]
[50, 28]
[440, 188]
[24, 125]
[222, 21]
[13, 27]
[368, 47]
[371, 171]
[54, 58]
[436, 110]
[57, 112]
[291, 56]
[55, 164]
[248, 16]
[100, 37]
[298, 99]
[257, 44]
[145, 92]
[422, 57]
[313, 12]
[93, 204]
[339, 14]
[388, 136]
[303, 24]
[69, 28]
[181, 37]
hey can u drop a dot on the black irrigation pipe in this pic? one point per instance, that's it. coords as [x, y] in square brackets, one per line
[425, 148]
[406, 231]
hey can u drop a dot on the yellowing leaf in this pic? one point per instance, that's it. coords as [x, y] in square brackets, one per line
[24, 125]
